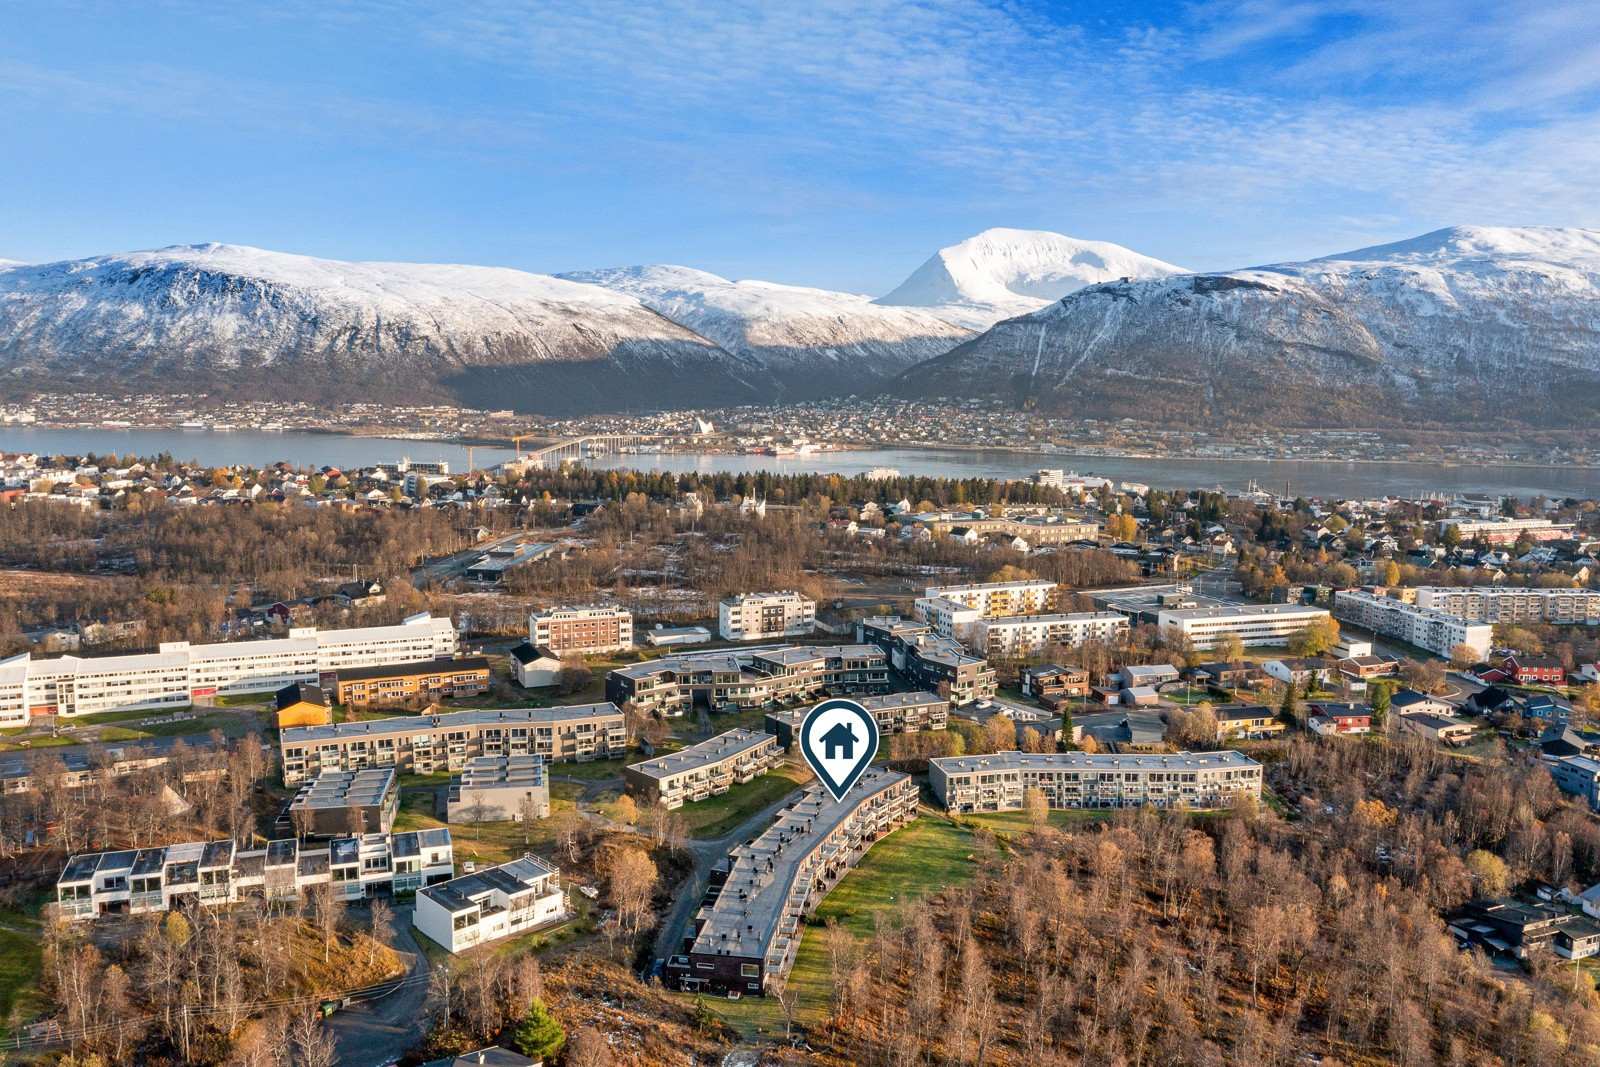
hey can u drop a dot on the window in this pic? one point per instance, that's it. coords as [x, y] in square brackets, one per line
[750, 970]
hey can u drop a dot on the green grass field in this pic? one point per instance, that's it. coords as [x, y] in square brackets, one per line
[231, 725]
[111, 716]
[925, 857]
[40, 741]
[19, 978]
[715, 816]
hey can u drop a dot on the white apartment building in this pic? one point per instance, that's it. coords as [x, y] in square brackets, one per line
[181, 673]
[1487, 603]
[142, 880]
[764, 616]
[1256, 624]
[1028, 635]
[585, 630]
[1426, 628]
[1000, 782]
[707, 769]
[512, 898]
[995, 599]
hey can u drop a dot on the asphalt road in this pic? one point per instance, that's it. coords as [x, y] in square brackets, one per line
[377, 1032]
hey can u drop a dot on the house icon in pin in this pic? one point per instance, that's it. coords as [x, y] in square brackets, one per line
[841, 736]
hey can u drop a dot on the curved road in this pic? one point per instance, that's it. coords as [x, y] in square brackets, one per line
[376, 1032]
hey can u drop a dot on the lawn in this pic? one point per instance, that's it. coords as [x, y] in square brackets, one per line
[925, 857]
[111, 716]
[1019, 822]
[231, 725]
[715, 816]
[484, 843]
[41, 741]
[19, 977]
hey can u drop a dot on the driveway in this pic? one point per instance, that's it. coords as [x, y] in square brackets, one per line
[376, 1032]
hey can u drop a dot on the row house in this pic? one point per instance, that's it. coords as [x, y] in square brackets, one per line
[1071, 780]
[144, 880]
[205, 761]
[428, 743]
[707, 769]
[439, 679]
[745, 936]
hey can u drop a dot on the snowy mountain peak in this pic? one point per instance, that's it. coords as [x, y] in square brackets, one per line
[1002, 273]
[1554, 245]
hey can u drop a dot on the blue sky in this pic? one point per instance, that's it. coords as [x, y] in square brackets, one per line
[822, 143]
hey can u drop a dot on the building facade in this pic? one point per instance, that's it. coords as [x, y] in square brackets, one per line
[430, 680]
[1487, 603]
[747, 680]
[428, 743]
[1070, 780]
[766, 616]
[582, 630]
[499, 789]
[895, 713]
[1426, 628]
[1503, 531]
[930, 661]
[144, 880]
[181, 673]
[747, 931]
[1030, 635]
[1579, 775]
[1255, 624]
[708, 769]
[347, 803]
[993, 600]
[504, 901]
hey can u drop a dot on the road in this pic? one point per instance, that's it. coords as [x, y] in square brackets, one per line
[707, 854]
[454, 565]
[377, 1032]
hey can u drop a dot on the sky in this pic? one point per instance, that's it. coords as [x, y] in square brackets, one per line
[822, 143]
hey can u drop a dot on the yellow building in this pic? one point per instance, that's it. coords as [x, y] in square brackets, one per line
[303, 705]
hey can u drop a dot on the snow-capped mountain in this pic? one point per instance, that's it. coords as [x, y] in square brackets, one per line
[814, 341]
[1463, 323]
[1000, 274]
[225, 314]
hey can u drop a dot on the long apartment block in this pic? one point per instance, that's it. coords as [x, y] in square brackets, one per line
[502, 901]
[704, 770]
[584, 630]
[1255, 624]
[1487, 603]
[996, 599]
[1029, 635]
[423, 744]
[748, 680]
[180, 673]
[929, 660]
[766, 616]
[205, 760]
[1426, 628]
[895, 713]
[144, 880]
[746, 934]
[1072, 780]
[435, 679]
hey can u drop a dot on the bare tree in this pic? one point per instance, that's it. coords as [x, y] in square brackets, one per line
[311, 1045]
[380, 926]
[325, 908]
[588, 1048]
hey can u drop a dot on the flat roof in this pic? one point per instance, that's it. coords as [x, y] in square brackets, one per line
[1096, 761]
[765, 869]
[726, 746]
[421, 666]
[485, 772]
[337, 789]
[463, 893]
[408, 724]
[1239, 611]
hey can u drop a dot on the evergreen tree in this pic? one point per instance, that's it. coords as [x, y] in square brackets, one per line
[540, 1036]
[1291, 703]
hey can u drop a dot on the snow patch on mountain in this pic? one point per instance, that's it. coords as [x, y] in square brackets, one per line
[817, 341]
[1001, 273]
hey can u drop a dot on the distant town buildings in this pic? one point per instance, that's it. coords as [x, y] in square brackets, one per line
[741, 680]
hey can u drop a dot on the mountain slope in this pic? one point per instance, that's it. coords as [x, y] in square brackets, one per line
[1460, 324]
[225, 315]
[1001, 273]
[815, 342]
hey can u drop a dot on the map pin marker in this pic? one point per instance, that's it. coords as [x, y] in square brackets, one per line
[839, 739]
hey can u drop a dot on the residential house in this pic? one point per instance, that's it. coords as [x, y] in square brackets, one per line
[1411, 702]
[302, 705]
[1579, 775]
[533, 667]
[1050, 683]
[1299, 671]
[502, 901]
[1246, 721]
[1536, 670]
[1329, 719]
[1441, 728]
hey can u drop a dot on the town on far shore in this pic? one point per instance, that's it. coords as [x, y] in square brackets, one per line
[404, 764]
